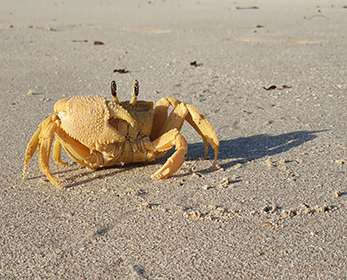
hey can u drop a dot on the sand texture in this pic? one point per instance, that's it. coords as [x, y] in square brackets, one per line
[270, 76]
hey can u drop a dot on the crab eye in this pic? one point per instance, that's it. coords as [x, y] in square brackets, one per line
[135, 92]
[114, 92]
[136, 87]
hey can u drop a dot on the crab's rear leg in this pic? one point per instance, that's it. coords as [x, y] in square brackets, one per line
[34, 142]
[32, 146]
[165, 143]
[44, 151]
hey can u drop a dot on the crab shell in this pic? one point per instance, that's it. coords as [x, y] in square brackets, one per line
[92, 119]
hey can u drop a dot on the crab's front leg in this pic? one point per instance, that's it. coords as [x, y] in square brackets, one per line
[165, 143]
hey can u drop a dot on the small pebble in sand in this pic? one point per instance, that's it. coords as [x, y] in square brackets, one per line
[237, 166]
[266, 224]
[146, 205]
[268, 162]
[197, 174]
[224, 181]
[267, 209]
[252, 213]
[283, 161]
[337, 194]
[217, 168]
[30, 92]
[44, 100]
[206, 187]
[138, 270]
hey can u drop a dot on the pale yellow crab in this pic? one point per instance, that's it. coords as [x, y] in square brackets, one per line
[97, 133]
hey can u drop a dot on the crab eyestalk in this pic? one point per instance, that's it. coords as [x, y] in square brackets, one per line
[114, 92]
[135, 92]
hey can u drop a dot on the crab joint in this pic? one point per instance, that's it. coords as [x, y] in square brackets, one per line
[135, 92]
[114, 92]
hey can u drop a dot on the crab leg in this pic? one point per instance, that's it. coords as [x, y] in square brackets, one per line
[32, 146]
[57, 154]
[159, 117]
[46, 140]
[34, 142]
[176, 119]
[165, 143]
[201, 125]
[204, 128]
[78, 152]
[192, 115]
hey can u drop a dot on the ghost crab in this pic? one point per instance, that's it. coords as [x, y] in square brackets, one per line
[97, 133]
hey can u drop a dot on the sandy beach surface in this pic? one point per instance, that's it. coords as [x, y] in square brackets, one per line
[270, 76]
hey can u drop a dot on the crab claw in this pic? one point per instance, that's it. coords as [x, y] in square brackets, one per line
[173, 163]
[118, 112]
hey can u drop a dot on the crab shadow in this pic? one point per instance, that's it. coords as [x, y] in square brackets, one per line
[254, 147]
[85, 175]
[239, 150]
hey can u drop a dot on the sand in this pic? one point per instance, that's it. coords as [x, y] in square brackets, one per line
[275, 209]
